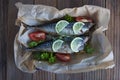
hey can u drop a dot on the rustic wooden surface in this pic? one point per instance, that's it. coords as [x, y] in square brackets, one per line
[8, 13]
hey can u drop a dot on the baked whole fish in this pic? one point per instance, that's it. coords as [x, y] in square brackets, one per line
[65, 28]
[65, 45]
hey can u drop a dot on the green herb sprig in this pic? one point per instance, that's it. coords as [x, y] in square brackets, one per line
[88, 49]
[69, 18]
[33, 43]
[44, 56]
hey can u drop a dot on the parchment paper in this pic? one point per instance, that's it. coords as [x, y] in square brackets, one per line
[102, 58]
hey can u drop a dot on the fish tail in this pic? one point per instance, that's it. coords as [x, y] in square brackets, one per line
[24, 49]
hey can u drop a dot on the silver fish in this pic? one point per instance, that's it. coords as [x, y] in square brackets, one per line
[67, 31]
[65, 48]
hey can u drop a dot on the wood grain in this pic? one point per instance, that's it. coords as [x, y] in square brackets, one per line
[101, 3]
[3, 20]
[13, 73]
[61, 4]
[8, 30]
[113, 35]
[111, 29]
[46, 2]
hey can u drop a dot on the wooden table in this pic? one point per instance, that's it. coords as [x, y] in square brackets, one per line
[8, 13]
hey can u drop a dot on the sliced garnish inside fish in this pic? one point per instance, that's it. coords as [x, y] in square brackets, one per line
[57, 45]
[77, 27]
[61, 25]
[77, 44]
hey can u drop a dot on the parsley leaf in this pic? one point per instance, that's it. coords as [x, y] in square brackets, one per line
[88, 49]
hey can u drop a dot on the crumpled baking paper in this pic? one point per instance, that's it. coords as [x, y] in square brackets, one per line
[32, 15]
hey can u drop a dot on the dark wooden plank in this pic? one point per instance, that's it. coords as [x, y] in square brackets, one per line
[3, 21]
[61, 4]
[13, 73]
[95, 2]
[46, 2]
[110, 34]
[113, 35]
[44, 75]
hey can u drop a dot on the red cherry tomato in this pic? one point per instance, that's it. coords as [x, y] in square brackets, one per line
[37, 36]
[83, 19]
[63, 57]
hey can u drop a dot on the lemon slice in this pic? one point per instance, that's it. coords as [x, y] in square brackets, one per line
[77, 27]
[77, 44]
[57, 45]
[61, 25]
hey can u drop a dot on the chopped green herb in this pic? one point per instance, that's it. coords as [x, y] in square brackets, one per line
[69, 18]
[52, 59]
[32, 44]
[88, 49]
[36, 56]
[44, 56]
